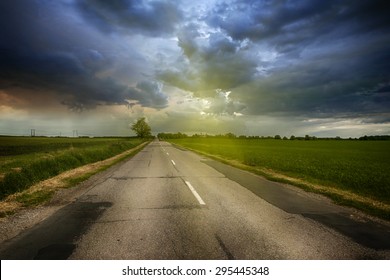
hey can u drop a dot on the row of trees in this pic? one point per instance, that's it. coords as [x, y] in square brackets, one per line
[143, 130]
[230, 135]
[376, 137]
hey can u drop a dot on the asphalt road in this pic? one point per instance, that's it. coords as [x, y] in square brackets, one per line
[169, 203]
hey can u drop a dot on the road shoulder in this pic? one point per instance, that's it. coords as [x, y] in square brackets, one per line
[23, 218]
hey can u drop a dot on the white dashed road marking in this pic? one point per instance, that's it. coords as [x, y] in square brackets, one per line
[195, 193]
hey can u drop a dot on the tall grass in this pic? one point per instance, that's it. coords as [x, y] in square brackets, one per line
[362, 167]
[26, 161]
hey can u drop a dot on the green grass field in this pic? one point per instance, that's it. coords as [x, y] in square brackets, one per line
[25, 161]
[361, 167]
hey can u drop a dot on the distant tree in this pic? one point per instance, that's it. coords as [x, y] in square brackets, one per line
[142, 128]
[285, 138]
[292, 137]
[278, 137]
[230, 135]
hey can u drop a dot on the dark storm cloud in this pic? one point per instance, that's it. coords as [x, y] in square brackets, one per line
[18, 26]
[39, 52]
[62, 73]
[294, 27]
[155, 18]
[261, 19]
[330, 55]
[317, 89]
[306, 19]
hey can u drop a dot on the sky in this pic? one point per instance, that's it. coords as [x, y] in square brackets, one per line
[256, 67]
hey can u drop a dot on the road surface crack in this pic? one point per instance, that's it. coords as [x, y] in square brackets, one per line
[224, 248]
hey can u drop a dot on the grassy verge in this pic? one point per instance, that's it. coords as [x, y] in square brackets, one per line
[352, 173]
[27, 161]
[43, 191]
